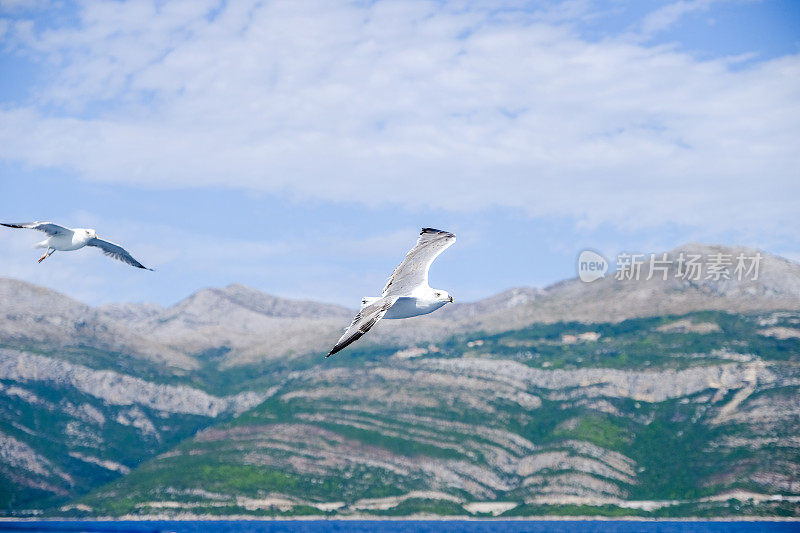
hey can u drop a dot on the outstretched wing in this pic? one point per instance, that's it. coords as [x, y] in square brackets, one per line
[364, 320]
[413, 271]
[48, 227]
[116, 251]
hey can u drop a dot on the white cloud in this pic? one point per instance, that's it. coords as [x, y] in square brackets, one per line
[670, 14]
[415, 104]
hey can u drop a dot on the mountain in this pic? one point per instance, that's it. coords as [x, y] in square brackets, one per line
[638, 421]
[777, 287]
[241, 321]
[242, 326]
[65, 427]
[654, 398]
[35, 317]
[502, 302]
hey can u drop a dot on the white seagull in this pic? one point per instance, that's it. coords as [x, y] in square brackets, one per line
[67, 239]
[407, 292]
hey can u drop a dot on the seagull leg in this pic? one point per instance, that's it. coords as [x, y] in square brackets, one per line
[47, 254]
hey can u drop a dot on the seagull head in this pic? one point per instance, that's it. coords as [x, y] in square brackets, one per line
[442, 296]
[90, 233]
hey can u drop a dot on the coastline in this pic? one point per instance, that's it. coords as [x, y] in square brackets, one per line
[411, 518]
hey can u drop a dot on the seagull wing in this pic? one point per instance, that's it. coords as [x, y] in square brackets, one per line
[48, 227]
[413, 271]
[116, 251]
[364, 320]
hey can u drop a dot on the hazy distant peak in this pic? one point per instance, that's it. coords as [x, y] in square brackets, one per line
[241, 296]
[238, 290]
[252, 324]
[21, 294]
[508, 299]
[130, 312]
[708, 249]
[514, 297]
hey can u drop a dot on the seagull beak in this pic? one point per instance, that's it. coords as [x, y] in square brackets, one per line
[451, 299]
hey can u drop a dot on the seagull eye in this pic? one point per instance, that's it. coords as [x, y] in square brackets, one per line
[438, 294]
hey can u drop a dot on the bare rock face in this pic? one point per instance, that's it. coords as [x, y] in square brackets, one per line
[647, 386]
[118, 389]
[17, 454]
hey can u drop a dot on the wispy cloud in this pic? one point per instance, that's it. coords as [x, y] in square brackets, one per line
[668, 15]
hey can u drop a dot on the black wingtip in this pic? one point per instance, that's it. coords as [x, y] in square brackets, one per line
[434, 230]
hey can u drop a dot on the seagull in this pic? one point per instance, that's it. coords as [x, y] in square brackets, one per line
[407, 292]
[67, 239]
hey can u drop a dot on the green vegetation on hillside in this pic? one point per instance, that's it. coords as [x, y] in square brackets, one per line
[428, 436]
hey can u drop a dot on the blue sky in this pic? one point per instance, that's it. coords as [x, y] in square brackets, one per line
[299, 147]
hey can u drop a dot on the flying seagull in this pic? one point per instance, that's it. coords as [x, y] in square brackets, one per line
[407, 292]
[66, 239]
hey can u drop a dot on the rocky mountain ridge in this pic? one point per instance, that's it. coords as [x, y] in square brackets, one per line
[249, 325]
[616, 396]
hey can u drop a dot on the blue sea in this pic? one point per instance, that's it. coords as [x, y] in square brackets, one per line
[414, 526]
